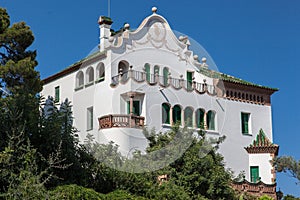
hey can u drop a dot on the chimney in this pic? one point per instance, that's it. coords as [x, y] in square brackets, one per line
[104, 25]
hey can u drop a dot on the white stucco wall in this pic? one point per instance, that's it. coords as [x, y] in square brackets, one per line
[175, 55]
[263, 161]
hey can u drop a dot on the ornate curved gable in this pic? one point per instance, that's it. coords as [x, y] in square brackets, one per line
[262, 144]
[153, 32]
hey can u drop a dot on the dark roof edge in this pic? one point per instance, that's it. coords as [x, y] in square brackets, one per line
[232, 79]
[73, 67]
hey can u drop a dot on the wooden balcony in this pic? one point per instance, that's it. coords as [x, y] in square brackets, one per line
[121, 121]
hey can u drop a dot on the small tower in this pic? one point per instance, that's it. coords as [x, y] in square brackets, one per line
[104, 25]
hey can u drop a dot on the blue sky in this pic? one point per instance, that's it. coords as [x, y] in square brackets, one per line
[256, 40]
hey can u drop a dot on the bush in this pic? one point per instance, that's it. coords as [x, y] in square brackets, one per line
[74, 192]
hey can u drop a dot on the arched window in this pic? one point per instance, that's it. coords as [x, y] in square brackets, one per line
[156, 70]
[210, 120]
[166, 75]
[147, 71]
[200, 118]
[188, 116]
[79, 79]
[123, 69]
[89, 75]
[165, 113]
[100, 72]
[123, 66]
[177, 114]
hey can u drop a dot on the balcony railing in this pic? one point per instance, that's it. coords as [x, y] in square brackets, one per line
[151, 79]
[121, 121]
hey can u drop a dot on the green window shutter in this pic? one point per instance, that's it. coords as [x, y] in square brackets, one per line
[166, 74]
[56, 97]
[136, 108]
[176, 114]
[211, 120]
[128, 107]
[254, 173]
[245, 123]
[147, 70]
[189, 78]
[165, 113]
[188, 117]
[200, 118]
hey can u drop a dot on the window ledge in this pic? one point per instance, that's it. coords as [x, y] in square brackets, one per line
[89, 129]
[89, 84]
[99, 80]
[213, 132]
[79, 88]
[247, 134]
[166, 125]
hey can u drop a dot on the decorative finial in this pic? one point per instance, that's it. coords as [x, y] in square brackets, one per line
[154, 9]
[126, 26]
[111, 39]
[196, 57]
[204, 60]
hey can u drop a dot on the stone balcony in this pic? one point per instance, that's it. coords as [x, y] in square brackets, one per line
[121, 121]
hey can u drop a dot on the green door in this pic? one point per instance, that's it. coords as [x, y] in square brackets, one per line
[189, 78]
[254, 173]
[135, 108]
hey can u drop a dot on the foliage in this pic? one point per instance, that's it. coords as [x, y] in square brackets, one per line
[74, 192]
[265, 197]
[289, 165]
[290, 197]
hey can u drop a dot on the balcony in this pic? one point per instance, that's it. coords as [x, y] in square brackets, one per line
[163, 81]
[121, 121]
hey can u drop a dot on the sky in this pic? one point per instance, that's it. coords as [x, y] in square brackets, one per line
[256, 40]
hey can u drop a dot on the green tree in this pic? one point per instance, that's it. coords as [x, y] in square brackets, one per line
[290, 197]
[19, 81]
[289, 165]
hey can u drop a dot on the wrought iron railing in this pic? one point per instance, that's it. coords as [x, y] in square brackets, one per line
[153, 79]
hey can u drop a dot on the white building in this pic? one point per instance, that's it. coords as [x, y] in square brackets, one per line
[150, 77]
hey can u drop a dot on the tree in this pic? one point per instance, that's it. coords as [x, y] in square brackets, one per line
[19, 81]
[288, 164]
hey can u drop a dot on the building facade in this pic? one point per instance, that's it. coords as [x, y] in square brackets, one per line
[149, 77]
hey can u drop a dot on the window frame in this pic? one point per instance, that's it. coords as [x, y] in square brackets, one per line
[166, 113]
[244, 123]
[209, 120]
[90, 118]
[57, 94]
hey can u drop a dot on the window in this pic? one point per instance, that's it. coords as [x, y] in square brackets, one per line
[135, 108]
[176, 114]
[188, 116]
[89, 75]
[123, 68]
[100, 72]
[245, 122]
[166, 76]
[156, 70]
[89, 118]
[189, 80]
[165, 113]
[147, 71]
[200, 118]
[56, 95]
[254, 174]
[210, 119]
[79, 79]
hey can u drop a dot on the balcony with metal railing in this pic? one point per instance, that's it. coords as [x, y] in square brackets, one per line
[162, 81]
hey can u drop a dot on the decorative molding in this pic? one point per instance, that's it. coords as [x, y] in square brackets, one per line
[262, 144]
[255, 189]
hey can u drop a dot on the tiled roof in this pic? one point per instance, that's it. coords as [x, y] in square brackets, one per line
[225, 77]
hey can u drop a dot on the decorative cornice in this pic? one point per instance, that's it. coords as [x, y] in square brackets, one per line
[262, 144]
